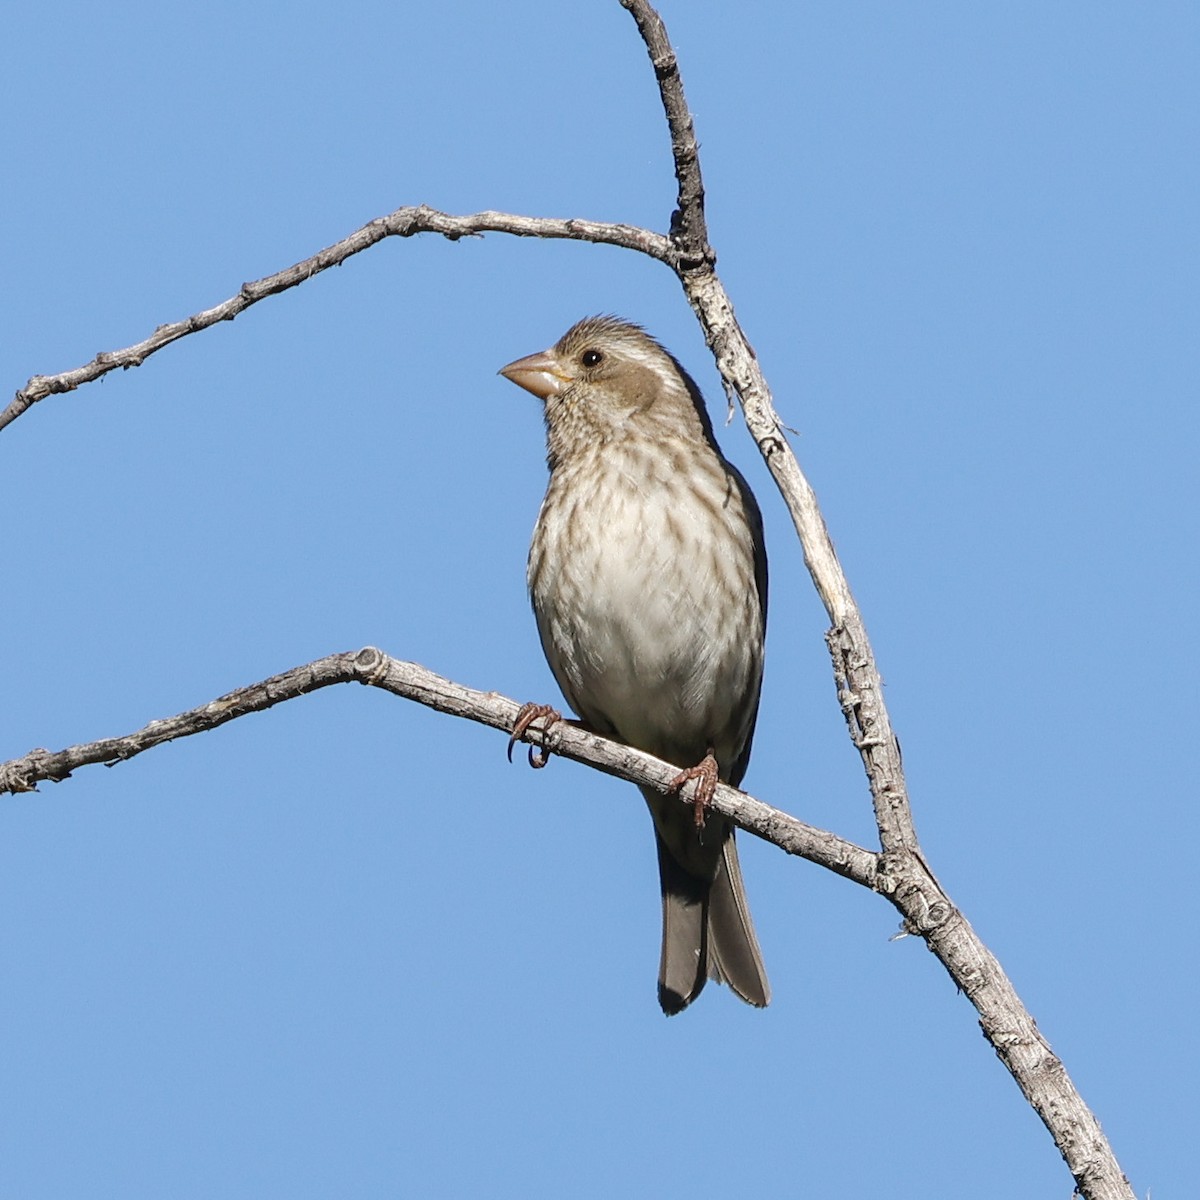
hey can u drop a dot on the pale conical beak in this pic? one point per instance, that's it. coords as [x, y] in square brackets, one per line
[541, 373]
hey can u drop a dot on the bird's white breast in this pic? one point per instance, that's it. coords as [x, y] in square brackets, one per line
[642, 578]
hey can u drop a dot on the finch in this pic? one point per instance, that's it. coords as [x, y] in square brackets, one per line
[648, 577]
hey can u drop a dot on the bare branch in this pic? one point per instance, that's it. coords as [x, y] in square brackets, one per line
[903, 878]
[413, 682]
[689, 230]
[738, 364]
[1038, 1071]
[859, 686]
[903, 872]
[404, 222]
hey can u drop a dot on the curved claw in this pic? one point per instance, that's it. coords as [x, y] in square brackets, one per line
[526, 715]
[705, 773]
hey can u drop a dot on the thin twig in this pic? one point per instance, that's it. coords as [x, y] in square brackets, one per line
[404, 222]
[413, 682]
[689, 229]
[862, 696]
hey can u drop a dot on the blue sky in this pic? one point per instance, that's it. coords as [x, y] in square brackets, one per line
[343, 948]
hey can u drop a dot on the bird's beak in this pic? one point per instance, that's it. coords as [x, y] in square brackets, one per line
[541, 373]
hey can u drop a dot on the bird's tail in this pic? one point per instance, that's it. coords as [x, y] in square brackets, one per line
[707, 930]
[734, 956]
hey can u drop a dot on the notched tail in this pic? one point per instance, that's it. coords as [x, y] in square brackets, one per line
[707, 933]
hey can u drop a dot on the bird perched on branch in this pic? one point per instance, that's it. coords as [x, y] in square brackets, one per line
[648, 577]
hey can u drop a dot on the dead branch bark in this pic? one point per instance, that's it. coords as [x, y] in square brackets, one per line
[404, 222]
[411, 681]
[929, 912]
[903, 878]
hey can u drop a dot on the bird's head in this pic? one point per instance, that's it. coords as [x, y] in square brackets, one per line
[606, 378]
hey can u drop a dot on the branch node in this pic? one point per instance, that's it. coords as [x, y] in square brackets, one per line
[371, 665]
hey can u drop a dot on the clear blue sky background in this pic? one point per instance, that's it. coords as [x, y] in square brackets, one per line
[343, 948]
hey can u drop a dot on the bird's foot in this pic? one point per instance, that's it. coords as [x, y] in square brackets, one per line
[526, 715]
[705, 775]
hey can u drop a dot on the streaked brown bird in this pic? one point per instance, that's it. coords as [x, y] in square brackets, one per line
[648, 577]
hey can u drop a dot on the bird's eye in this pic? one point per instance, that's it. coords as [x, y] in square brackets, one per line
[591, 358]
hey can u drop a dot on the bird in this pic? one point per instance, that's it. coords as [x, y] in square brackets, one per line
[647, 574]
